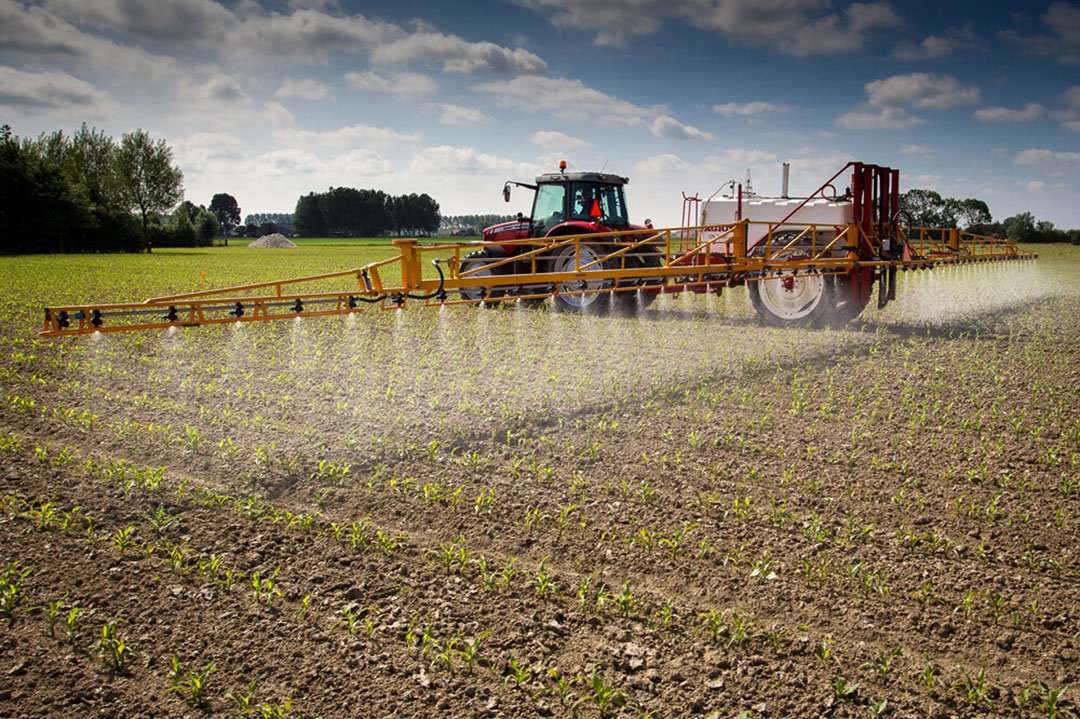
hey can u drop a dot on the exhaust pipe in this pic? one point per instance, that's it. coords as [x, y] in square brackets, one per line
[787, 171]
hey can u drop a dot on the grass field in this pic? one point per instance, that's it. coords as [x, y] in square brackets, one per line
[518, 512]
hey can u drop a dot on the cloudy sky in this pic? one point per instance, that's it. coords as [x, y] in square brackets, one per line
[271, 99]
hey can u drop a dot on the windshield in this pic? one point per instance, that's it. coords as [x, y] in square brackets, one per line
[549, 208]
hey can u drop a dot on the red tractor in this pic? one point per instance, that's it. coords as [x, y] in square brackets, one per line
[565, 204]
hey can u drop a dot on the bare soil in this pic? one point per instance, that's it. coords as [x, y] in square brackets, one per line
[680, 514]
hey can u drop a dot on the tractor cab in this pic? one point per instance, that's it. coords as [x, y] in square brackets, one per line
[567, 203]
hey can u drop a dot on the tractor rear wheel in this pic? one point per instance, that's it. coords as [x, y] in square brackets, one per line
[479, 261]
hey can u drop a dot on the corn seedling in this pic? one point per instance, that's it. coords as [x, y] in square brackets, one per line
[11, 594]
[972, 686]
[603, 694]
[113, 648]
[71, 624]
[305, 604]
[192, 685]
[625, 602]
[842, 689]
[883, 665]
[562, 685]
[1050, 702]
[53, 615]
[519, 674]
[122, 539]
[543, 582]
[387, 543]
[265, 588]
[471, 653]
[244, 704]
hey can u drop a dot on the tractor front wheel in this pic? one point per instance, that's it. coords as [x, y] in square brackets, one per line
[578, 295]
[476, 264]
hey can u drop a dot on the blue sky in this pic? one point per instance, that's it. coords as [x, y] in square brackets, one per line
[268, 100]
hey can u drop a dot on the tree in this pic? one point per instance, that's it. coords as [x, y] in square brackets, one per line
[309, 221]
[226, 210]
[148, 180]
[972, 212]
[1020, 228]
[206, 228]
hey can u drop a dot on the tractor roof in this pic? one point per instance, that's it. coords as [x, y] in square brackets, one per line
[556, 177]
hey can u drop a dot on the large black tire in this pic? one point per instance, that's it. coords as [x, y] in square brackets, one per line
[846, 308]
[579, 295]
[479, 259]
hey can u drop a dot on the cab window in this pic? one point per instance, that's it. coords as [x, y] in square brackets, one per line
[549, 207]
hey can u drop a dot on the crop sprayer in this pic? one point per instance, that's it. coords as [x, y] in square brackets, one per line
[809, 261]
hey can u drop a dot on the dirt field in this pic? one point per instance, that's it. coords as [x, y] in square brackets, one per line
[514, 512]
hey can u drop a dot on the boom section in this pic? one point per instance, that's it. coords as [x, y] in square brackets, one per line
[653, 261]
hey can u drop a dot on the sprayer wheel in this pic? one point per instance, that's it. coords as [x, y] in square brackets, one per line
[845, 309]
[795, 300]
[472, 261]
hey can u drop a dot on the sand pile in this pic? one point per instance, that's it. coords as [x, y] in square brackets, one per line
[275, 240]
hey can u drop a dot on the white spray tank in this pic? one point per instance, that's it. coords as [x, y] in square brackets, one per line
[778, 214]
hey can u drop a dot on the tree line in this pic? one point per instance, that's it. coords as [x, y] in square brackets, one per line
[85, 192]
[473, 224]
[349, 212]
[926, 208]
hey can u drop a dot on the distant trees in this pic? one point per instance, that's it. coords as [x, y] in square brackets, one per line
[926, 208]
[473, 224]
[349, 212]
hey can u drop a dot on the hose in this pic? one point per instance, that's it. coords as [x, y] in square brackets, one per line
[438, 293]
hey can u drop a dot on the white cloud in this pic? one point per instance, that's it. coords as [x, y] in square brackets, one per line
[567, 99]
[749, 109]
[740, 158]
[213, 93]
[400, 83]
[214, 153]
[932, 47]
[553, 140]
[1072, 96]
[923, 90]
[1071, 125]
[288, 162]
[343, 137]
[360, 162]
[447, 160]
[671, 129]
[175, 20]
[923, 150]
[307, 88]
[1032, 185]
[663, 165]
[1062, 20]
[1030, 111]
[308, 36]
[1048, 159]
[51, 91]
[885, 118]
[458, 115]
[796, 27]
[39, 34]
[458, 55]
